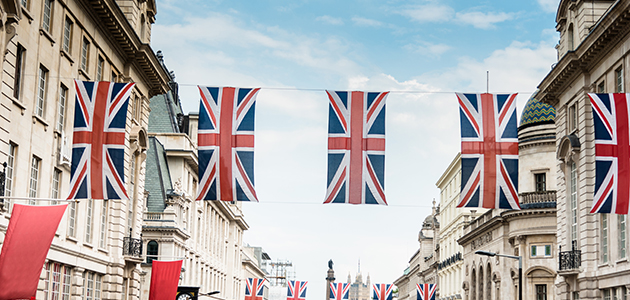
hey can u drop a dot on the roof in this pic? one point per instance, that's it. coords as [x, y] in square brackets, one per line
[157, 178]
[536, 112]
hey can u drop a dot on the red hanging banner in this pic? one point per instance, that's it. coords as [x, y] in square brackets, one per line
[164, 279]
[29, 235]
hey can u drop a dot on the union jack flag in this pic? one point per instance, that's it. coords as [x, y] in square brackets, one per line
[612, 153]
[226, 144]
[296, 290]
[254, 288]
[98, 144]
[489, 151]
[339, 291]
[426, 291]
[356, 148]
[382, 291]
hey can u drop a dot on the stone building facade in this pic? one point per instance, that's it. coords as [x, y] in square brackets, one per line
[206, 235]
[593, 57]
[529, 233]
[46, 44]
[359, 290]
[423, 265]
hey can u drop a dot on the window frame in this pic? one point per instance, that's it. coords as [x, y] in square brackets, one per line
[572, 119]
[66, 44]
[619, 80]
[89, 220]
[42, 82]
[72, 219]
[573, 208]
[100, 65]
[20, 54]
[601, 87]
[540, 186]
[604, 237]
[622, 228]
[47, 15]
[85, 54]
[61, 107]
[36, 163]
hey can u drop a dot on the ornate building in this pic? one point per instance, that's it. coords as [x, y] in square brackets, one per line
[207, 235]
[529, 233]
[359, 290]
[45, 45]
[423, 264]
[593, 57]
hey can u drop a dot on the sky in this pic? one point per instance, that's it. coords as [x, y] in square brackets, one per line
[422, 51]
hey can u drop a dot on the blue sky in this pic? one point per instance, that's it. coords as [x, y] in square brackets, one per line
[422, 51]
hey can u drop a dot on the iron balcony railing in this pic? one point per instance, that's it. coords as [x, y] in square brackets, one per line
[570, 260]
[132, 247]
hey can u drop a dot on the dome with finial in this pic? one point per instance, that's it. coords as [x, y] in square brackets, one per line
[536, 112]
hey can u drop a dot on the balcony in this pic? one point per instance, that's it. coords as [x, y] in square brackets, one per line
[132, 249]
[544, 199]
[569, 261]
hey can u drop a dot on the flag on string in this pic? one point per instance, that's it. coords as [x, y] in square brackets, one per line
[489, 151]
[426, 291]
[612, 153]
[356, 148]
[254, 288]
[339, 291]
[382, 291]
[29, 235]
[164, 279]
[98, 144]
[226, 144]
[296, 290]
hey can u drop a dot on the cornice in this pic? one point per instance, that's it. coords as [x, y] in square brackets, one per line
[490, 224]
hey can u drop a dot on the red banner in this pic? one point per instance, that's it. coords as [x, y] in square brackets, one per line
[29, 235]
[164, 279]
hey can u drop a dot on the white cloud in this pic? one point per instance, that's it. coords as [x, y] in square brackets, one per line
[549, 6]
[483, 20]
[428, 49]
[366, 22]
[329, 20]
[429, 13]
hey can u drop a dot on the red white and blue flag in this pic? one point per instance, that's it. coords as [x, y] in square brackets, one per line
[254, 288]
[296, 290]
[356, 148]
[382, 291]
[98, 144]
[426, 291]
[612, 153]
[489, 151]
[339, 291]
[226, 144]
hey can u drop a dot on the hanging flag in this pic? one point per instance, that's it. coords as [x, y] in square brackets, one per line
[98, 144]
[356, 148]
[29, 235]
[339, 291]
[226, 144]
[426, 291]
[489, 151]
[296, 290]
[382, 291]
[254, 288]
[612, 153]
[164, 279]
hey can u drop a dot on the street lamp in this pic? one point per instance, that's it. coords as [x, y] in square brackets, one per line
[520, 268]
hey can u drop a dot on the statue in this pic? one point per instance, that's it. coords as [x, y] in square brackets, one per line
[330, 264]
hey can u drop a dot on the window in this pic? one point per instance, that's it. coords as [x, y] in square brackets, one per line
[541, 292]
[8, 184]
[103, 234]
[88, 290]
[63, 94]
[541, 250]
[55, 185]
[57, 281]
[41, 91]
[606, 294]
[576, 295]
[47, 15]
[570, 37]
[20, 54]
[85, 54]
[32, 192]
[99, 68]
[89, 221]
[24, 3]
[573, 203]
[619, 80]
[601, 87]
[114, 76]
[604, 237]
[97, 287]
[572, 118]
[72, 221]
[621, 219]
[152, 251]
[67, 35]
[541, 182]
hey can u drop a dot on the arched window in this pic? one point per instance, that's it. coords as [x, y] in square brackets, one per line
[488, 280]
[570, 38]
[480, 283]
[152, 251]
[473, 285]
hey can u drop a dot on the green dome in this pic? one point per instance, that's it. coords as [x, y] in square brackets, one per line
[537, 112]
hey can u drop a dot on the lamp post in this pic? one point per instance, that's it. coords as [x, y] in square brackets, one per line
[520, 268]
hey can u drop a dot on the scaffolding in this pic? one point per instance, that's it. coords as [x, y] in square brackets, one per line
[279, 272]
